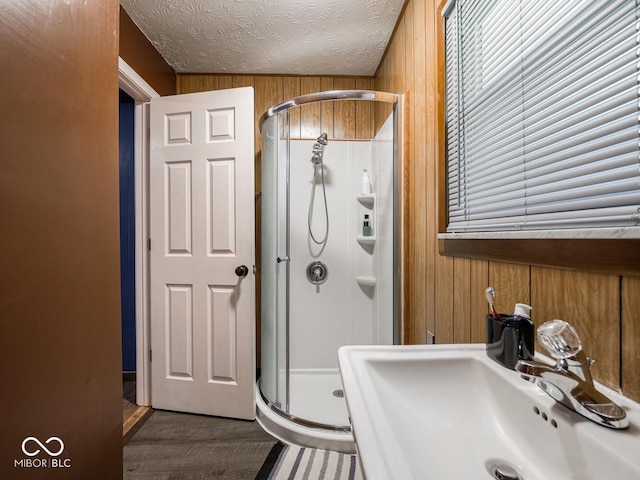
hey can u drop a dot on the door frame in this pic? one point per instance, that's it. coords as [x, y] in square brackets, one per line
[138, 89]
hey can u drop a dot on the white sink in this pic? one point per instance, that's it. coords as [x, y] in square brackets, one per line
[450, 412]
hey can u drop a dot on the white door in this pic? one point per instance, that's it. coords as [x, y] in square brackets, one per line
[202, 234]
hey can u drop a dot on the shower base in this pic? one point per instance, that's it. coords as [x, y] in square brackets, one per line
[314, 398]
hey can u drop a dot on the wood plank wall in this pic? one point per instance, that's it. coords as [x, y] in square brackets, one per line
[445, 294]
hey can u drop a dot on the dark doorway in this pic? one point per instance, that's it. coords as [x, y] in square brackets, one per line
[127, 234]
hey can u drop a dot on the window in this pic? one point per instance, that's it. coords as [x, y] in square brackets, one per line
[542, 117]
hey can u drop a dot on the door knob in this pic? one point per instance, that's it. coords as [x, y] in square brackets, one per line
[242, 271]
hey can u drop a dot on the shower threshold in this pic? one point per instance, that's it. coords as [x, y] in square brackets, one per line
[317, 417]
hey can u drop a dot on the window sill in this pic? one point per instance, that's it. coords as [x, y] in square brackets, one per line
[619, 255]
[592, 233]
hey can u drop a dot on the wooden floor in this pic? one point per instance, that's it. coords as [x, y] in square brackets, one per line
[181, 446]
[169, 445]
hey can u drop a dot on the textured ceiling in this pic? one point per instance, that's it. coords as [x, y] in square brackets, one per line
[297, 37]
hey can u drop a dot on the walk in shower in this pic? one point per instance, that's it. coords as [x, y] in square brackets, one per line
[330, 258]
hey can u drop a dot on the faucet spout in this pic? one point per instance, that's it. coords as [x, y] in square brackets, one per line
[574, 391]
[531, 370]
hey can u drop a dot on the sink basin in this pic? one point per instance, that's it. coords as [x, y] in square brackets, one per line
[450, 412]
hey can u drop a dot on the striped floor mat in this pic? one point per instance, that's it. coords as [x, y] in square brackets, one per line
[286, 462]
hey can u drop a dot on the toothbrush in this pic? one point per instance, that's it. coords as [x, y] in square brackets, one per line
[490, 294]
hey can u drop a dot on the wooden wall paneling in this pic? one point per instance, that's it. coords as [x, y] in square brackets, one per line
[364, 127]
[291, 88]
[310, 114]
[427, 98]
[326, 108]
[268, 92]
[479, 306]
[385, 109]
[196, 82]
[344, 111]
[414, 321]
[512, 284]
[225, 81]
[414, 269]
[396, 74]
[382, 113]
[243, 81]
[409, 66]
[211, 82]
[415, 221]
[377, 84]
[188, 83]
[630, 333]
[415, 330]
[392, 59]
[461, 300]
[444, 273]
[589, 302]
[416, 36]
[381, 82]
[398, 47]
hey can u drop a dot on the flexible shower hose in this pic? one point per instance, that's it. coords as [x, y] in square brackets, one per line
[326, 210]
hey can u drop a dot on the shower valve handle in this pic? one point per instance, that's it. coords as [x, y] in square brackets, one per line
[242, 271]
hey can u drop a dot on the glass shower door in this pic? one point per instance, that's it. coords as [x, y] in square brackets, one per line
[273, 268]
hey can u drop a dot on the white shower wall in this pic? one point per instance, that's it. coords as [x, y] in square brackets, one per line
[340, 311]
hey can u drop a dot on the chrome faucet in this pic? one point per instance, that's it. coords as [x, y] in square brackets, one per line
[569, 381]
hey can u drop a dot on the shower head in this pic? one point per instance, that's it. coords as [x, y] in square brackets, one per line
[318, 149]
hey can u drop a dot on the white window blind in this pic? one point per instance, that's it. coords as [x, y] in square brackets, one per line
[542, 114]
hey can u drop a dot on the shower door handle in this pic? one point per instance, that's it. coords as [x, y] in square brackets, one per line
[242, 271]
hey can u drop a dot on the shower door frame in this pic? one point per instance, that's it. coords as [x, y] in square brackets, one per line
[397, 101]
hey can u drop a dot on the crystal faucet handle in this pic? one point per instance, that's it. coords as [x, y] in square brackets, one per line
[559, 338]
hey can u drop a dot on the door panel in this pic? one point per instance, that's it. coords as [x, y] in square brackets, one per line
[179, 330]
[202, 228]
[221, 217]
[222, 328]
[178, 200]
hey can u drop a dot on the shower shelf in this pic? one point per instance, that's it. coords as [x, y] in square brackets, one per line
[367, 200]
[366, 240]
[366, 280]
